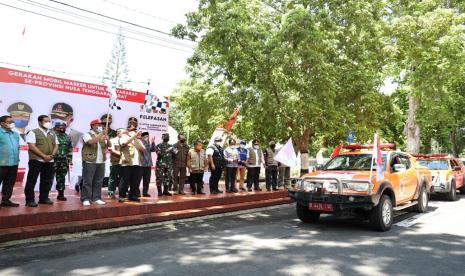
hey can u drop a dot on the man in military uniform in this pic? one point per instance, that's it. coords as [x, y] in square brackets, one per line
[107, 117]
[164, 170]
[21, 114]
[64, 112]
[63, 158]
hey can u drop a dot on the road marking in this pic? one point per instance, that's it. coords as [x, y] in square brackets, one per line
[415, 219]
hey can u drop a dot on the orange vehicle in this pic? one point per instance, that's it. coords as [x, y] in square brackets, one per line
[447, 171]
[343, 186]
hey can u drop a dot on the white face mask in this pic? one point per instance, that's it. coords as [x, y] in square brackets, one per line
[218, 143]
[255, 147]
[48, 125]
[10, 126]
[99, 129]
[242, 146]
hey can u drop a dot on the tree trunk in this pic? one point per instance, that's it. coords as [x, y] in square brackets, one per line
[303, 148]
[412, 129]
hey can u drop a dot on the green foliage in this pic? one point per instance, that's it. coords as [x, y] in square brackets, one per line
[311, 70]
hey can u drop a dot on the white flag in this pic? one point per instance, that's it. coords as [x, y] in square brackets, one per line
[286, 155]
[113, 100]
[217, 133]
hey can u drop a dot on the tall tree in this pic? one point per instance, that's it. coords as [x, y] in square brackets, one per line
[299, 69]
[429, 52]
[117, 70]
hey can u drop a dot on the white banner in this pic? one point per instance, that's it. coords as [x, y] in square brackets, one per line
[25, 96]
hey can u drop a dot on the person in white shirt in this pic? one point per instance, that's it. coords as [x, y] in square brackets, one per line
[254, 162]
[96, 142]
[43, 145]
[232, 163]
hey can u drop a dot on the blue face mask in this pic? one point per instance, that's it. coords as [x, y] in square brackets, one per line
[20, 123]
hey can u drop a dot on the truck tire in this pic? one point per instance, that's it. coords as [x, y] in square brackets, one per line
[306, 215]
[423, 199]
[452, 194]
[381, 216]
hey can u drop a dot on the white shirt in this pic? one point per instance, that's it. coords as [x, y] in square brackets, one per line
[209, 151]
[87, 137]
[31, 139]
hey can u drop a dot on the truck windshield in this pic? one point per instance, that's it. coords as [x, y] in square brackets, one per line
[349, 162]
[434, 164]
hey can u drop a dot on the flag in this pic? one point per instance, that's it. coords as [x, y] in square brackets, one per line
[286, 155]
[320, 160]
[336, 151]
[232, 119]
[377, 157]
[113, 99]
[219, 131]
[153, 102]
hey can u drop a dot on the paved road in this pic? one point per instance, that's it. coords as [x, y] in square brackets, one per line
[270, 242]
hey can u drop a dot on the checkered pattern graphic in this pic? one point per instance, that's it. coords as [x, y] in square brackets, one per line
[152, 102]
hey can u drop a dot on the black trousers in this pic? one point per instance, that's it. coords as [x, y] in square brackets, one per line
[215, 179]
[196, 181]
[253, 174]
[231, 176]
[271, 177]
[46, 171]
[146, 175]
[130, 180]
[7, 179]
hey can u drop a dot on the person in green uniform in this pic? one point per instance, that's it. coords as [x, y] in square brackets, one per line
[63, 158]
[111, 132]
[164, 166]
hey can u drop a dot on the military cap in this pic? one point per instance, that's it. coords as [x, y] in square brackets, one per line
[61, 110]
[20, 107]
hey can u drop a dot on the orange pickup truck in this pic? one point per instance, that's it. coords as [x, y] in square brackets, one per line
[448, 174]
[343, 186]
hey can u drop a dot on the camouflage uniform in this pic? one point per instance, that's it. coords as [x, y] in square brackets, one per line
[62, 159]
[164, 167]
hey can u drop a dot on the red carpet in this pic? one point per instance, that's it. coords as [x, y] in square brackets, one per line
[70, 216]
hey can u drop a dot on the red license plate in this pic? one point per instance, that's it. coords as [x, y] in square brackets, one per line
[326, 207]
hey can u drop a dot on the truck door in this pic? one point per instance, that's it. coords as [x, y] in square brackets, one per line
[398, 178]
[411, 180]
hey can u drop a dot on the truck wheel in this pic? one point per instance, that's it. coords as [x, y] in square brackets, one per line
[423, 199]
[381, 216]
[306, 215]
[452, 194]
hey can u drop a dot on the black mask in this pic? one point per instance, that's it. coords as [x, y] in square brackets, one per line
[166, 140]
[182, 140]
[272, 146]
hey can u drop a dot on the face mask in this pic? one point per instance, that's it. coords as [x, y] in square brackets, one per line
[255, 146]
[182, 140]
[20, 123]
[47, 125]
[10, 126]
[273, 146]
[166, 140]
[218, 143]
[242, 146]
[99, 129]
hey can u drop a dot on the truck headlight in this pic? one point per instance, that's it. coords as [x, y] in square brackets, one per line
[330, 187]
[309, 186]
[359, 187]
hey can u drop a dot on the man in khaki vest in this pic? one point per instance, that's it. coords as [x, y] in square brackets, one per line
[254, 164]
[197, 163]
[271, 167]
[43, 145]
[96, 142]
